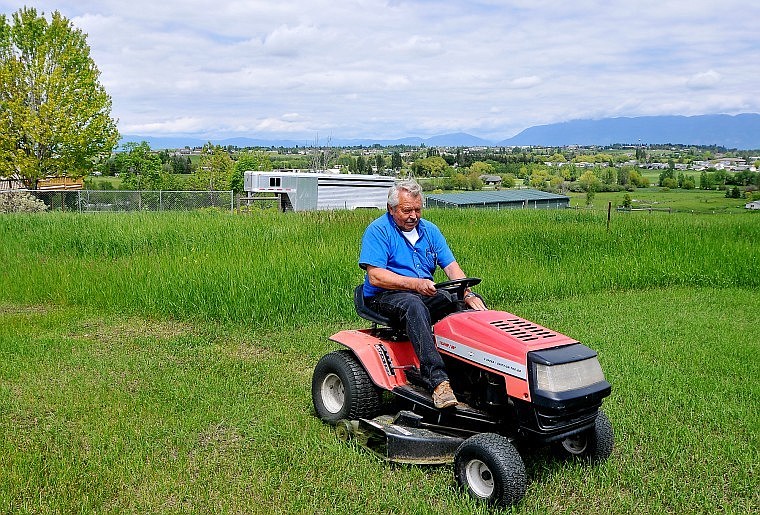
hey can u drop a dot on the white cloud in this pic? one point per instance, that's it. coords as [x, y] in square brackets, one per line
[185, 125]
[704, 80]
[525, 82]
[377, 68]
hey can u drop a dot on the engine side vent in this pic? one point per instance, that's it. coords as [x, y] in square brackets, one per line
[522, 329]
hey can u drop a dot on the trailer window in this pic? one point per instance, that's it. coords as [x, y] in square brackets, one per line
[274, 182]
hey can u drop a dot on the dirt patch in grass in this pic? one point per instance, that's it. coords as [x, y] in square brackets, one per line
[243, 350]
[129, 331]
[220, 437]
[126, 329]
[22, 309]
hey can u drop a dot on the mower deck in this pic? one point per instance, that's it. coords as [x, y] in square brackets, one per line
[404, 439]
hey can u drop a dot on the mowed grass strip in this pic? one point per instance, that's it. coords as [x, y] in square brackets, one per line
[115, 414]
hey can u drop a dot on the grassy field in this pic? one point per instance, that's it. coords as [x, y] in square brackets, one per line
[686, 201]
[162, 362]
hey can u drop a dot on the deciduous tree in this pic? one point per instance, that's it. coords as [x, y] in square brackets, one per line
[214, 171]
[141, 169]
[396, 162]
[55, 116]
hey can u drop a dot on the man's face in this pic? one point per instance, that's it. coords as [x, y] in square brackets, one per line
[408, 212]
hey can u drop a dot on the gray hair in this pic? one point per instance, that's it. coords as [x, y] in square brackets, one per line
[409, 185]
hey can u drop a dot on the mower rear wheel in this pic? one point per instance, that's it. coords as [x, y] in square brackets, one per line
[489, 467]
[342, 389]
[594, 445]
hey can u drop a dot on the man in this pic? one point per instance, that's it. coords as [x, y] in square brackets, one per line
[400, 252]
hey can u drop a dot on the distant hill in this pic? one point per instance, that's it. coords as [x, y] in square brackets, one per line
[741, 131]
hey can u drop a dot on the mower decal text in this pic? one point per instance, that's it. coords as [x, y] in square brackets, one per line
[482, 358]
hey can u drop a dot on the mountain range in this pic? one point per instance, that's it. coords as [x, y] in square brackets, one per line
[740, 131]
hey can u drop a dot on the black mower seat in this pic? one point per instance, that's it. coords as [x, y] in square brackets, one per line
[363, 311]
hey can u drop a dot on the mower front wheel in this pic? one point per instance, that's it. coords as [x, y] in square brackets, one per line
[342, 389]
[489, 467]
[594, 445]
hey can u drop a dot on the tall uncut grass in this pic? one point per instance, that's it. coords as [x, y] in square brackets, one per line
[273, 270]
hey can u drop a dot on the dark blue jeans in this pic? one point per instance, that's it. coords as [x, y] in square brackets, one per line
[417, 313]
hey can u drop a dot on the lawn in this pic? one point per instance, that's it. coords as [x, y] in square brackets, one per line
[687, 201]
[162, 362]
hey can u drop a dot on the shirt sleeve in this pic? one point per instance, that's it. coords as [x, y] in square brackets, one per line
[375, 248]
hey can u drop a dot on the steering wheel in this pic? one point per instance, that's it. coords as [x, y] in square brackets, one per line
[458, 286]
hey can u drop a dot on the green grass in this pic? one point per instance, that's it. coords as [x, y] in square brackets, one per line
[162, 363]
[686, 201]
[271, 269]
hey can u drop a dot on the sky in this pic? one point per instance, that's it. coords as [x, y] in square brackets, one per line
[322, 69]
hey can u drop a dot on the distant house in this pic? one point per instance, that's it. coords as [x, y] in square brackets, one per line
[11, 183]
[491, 180]
[752, 205]
[60, 183]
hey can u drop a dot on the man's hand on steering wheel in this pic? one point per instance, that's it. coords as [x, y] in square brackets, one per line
[425, 287]
[474, 302]
[461, 288]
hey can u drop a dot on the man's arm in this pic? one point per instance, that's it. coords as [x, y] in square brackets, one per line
[382, 278]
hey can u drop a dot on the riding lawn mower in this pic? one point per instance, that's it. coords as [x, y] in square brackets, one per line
[520, 386]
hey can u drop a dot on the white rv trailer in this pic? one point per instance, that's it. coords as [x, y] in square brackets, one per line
[303, 191]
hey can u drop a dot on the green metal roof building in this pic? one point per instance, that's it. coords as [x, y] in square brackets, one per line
[503, 199]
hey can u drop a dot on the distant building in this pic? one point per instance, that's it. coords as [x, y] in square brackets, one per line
[504, 199]
[491, 180]
[11, 183]
[60, 183]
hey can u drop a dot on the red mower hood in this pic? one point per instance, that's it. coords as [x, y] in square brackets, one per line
[497, 333]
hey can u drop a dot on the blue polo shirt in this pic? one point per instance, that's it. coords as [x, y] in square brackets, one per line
[384, 246]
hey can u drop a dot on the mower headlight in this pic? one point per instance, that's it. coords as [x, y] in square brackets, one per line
[568, 376]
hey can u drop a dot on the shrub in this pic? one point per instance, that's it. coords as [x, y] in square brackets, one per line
[20, 202]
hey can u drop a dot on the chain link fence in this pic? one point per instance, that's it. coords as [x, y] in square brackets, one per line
[90, 201]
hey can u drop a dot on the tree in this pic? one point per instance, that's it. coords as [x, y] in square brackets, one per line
[55, 116]
[704, 181]
[141, 169]
[379, 163]
[430, 167]
[480, 168]
[589, 183]
[539, 178]
[508, 180]
[396, 163]
[624, 175]
[669, 173]
[590, 194]
[214, 171]
[361, 164]
[627, 201]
